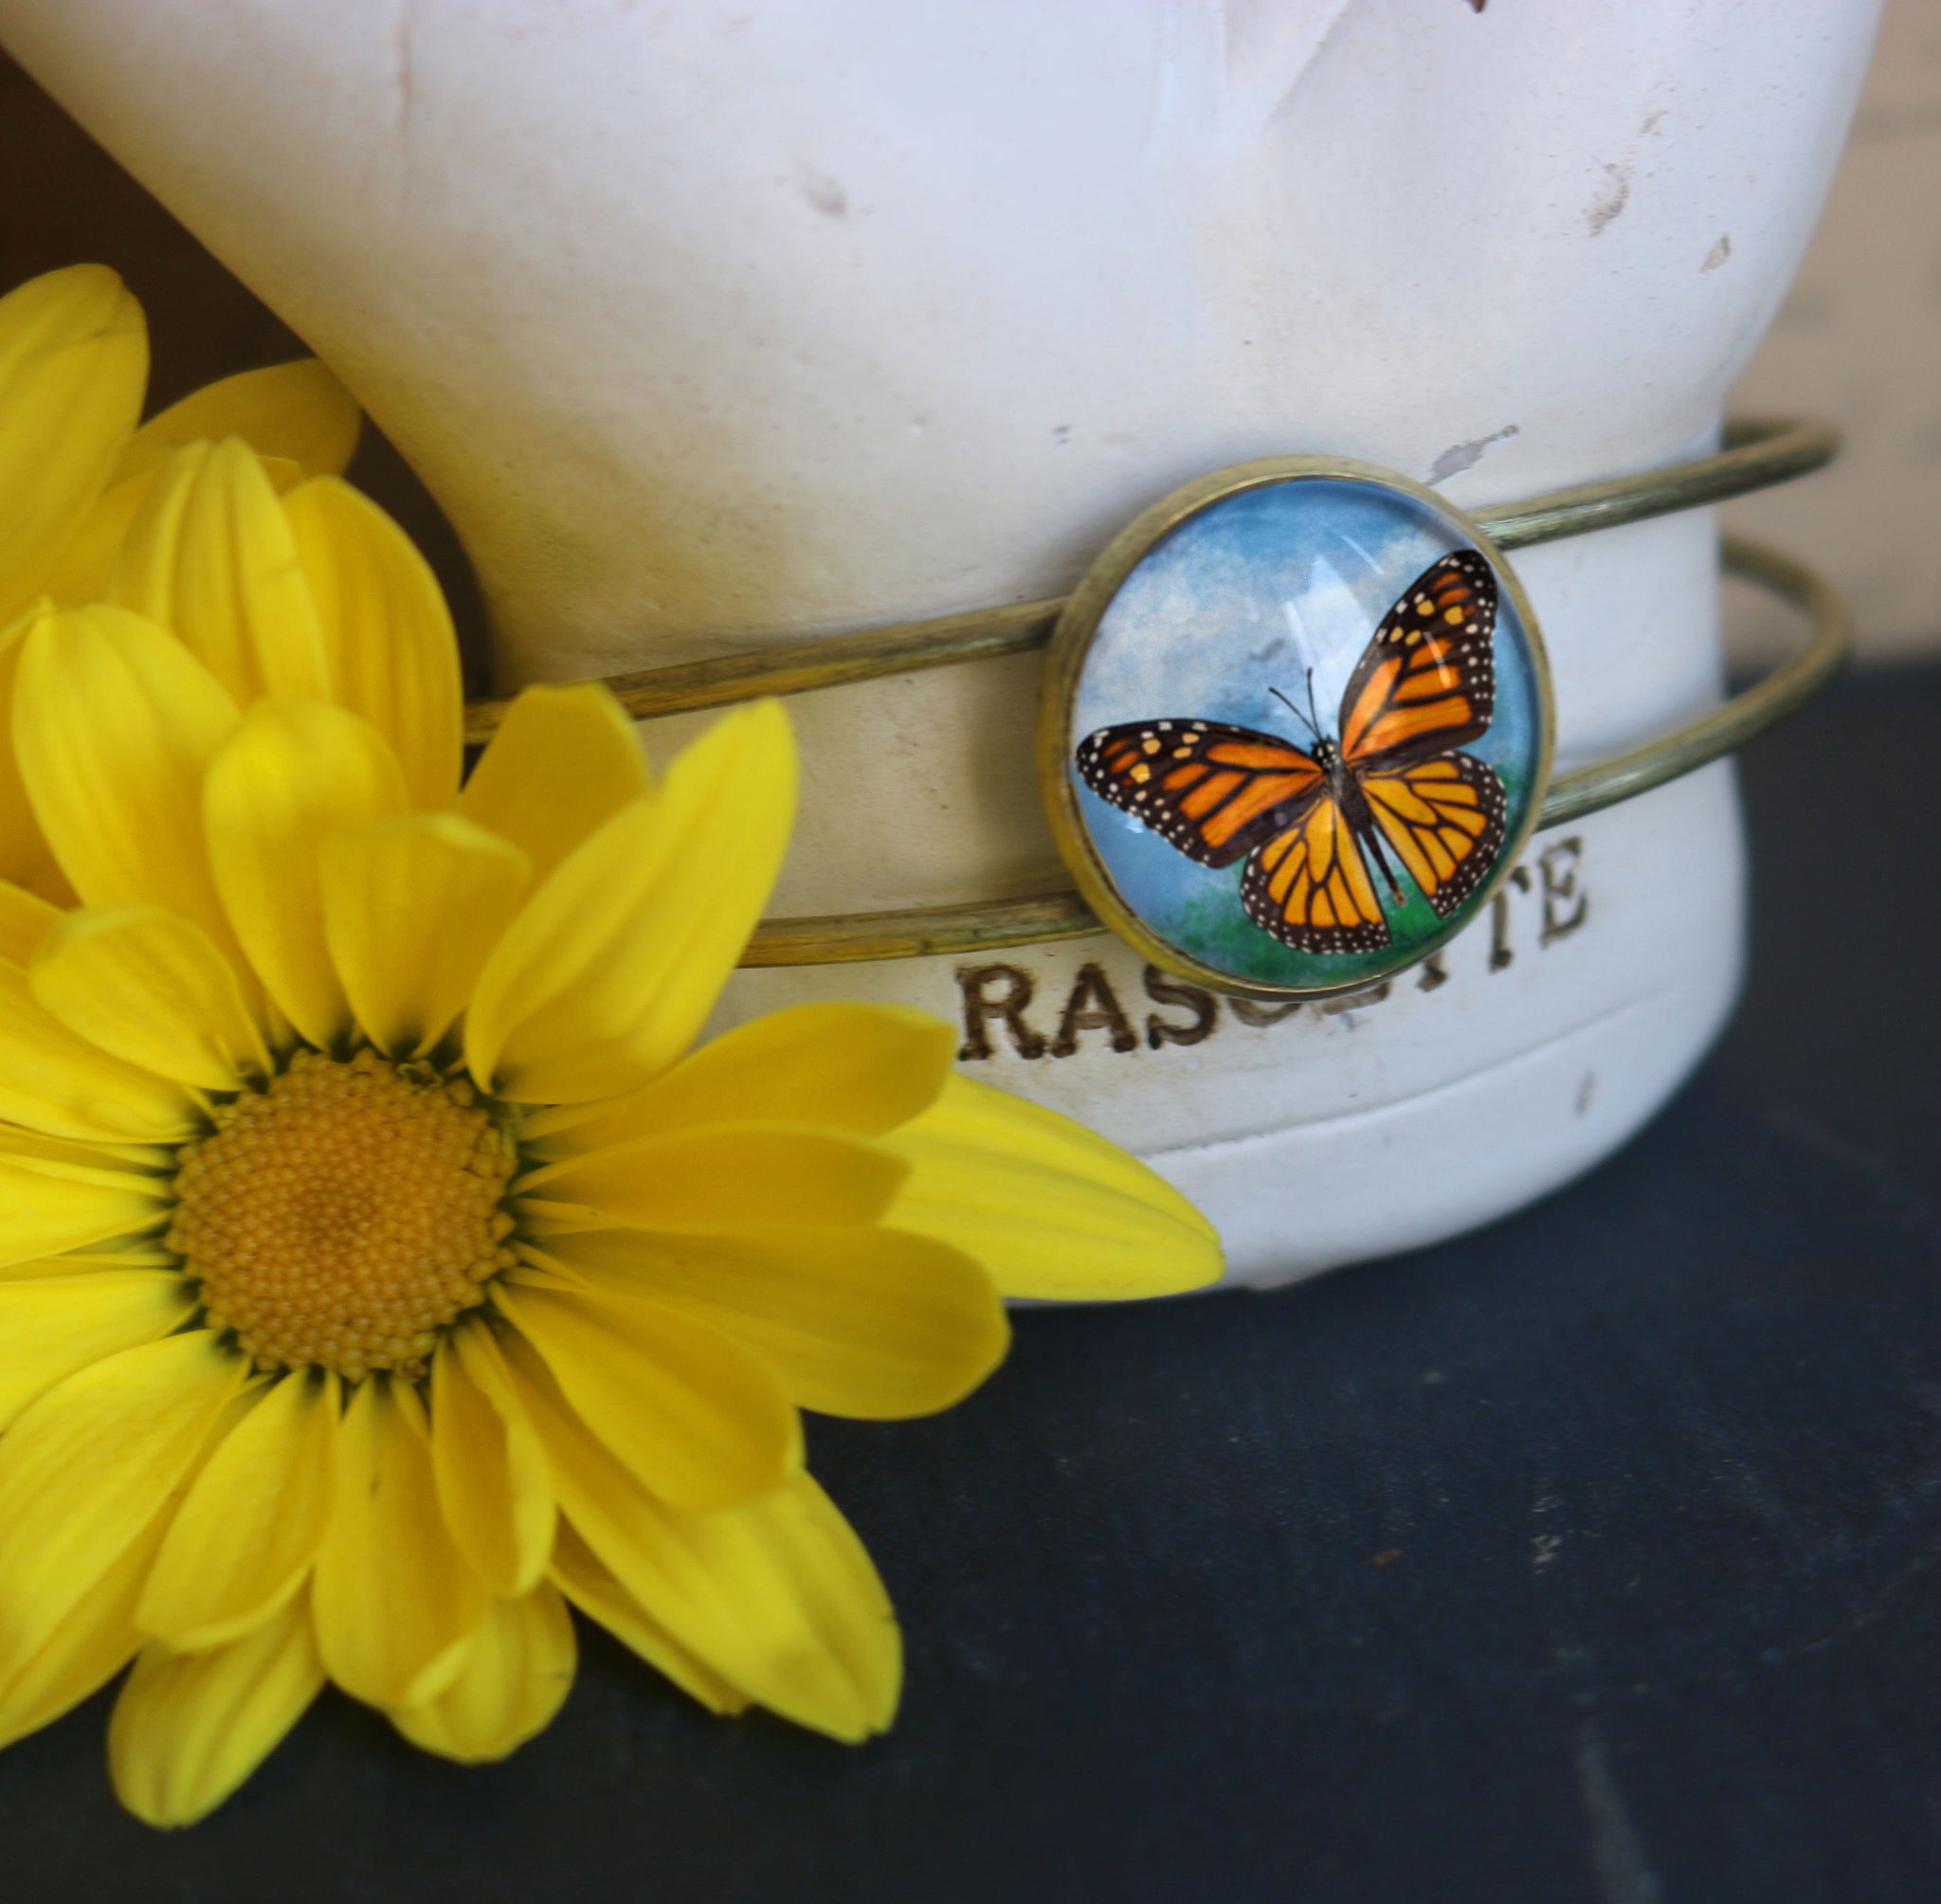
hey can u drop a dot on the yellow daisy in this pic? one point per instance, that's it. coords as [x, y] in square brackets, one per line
[381, 1271]
[78, 479]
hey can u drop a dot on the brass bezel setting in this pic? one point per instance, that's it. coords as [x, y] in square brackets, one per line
[1071, 646]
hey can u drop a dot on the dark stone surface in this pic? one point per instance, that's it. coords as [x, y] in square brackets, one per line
[1592, 1557]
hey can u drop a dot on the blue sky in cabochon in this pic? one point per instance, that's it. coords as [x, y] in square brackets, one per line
[1243, 598]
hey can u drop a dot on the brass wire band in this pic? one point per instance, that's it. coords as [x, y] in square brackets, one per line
[981, 925]
[1757, 454]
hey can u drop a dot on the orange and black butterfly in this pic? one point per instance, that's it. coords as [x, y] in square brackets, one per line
[1312, 819]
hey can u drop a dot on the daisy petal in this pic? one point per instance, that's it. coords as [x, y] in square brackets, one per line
[90, 1645]
[26, 857]
[608, 973]
[115, 723]
[298, 412]
[840, 1590]
[1047, 1206]
[86, 571]
[48, 1214]
[396, 1605]
[245, 1536]
[81, 1262]
[91, 1160]
[538, 1216]
[85, 1261]
[728, 1177]
[188, 1727]
[875, 1324]
[579, 745]
[73, 363]
[701, 1421]
[411, 909]
[518, 1672]
[392, 653]
[578, 1574]
[776, 1597]
[53, 1079]
[25, 919]
[579, 919]
[494, 1486]
[295, 772]
[90, 1465]
[150, 989]
[210, 555]
[57, 1324]
[860, 1068]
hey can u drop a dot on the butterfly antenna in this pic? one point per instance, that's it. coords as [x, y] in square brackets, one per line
[1294, 711]
[1313, 718]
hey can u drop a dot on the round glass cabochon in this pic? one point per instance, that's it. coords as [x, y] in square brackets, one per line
[1308, 733]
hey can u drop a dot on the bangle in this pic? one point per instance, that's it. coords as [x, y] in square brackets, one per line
[1757, 455]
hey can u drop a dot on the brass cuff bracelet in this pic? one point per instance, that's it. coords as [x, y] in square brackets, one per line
[1757, 454]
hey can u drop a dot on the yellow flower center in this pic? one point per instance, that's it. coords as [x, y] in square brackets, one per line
[346, 1215]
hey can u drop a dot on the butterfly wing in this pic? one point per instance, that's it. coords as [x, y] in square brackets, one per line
[1309, 886]
[1423, 687]
[1211, 791]
[1445, 819]
[1426, 682]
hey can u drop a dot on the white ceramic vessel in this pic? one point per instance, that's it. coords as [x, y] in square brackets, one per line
[712, 325]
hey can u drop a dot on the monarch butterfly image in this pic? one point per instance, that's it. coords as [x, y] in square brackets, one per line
[1390, 780]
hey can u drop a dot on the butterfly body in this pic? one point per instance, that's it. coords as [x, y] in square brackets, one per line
[1345, 788]
[1392, 781]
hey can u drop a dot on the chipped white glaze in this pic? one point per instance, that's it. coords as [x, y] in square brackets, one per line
[708, 322]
